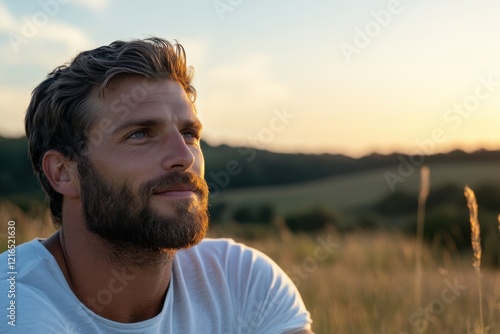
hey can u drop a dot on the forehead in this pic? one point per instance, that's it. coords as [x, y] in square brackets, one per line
[130, 97]
[135, 90]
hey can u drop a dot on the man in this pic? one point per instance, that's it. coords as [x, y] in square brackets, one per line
[115, 142]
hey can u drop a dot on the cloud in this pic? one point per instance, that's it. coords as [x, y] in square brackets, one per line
[250, 76]
[39, 38]
[6, 19]
[33, 44]
[67, 34]
[95, 5]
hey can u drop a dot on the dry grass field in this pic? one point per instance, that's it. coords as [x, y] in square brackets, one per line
[357, 283]
[367, 286]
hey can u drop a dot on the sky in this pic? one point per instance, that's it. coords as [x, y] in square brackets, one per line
[349, 77]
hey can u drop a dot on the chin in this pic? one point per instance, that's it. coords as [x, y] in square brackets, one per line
[164, 210]
[173, 207]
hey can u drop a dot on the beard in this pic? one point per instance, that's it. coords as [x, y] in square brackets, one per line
[128, 222]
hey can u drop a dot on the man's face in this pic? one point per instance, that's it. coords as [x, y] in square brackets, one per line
[142, 178]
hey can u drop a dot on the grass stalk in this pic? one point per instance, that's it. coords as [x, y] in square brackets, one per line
[498, 224]
[422, 198]
[476, 245]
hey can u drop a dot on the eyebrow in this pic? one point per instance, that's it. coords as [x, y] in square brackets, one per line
[149, 122]
[156, 122]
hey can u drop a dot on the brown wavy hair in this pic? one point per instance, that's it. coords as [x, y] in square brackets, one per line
[60, 112]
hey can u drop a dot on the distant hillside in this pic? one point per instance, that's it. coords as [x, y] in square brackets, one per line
[356, 192]
[16, 175]
[256, 168]
[237, 167]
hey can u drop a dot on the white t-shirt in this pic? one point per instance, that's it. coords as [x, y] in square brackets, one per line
[217, 286]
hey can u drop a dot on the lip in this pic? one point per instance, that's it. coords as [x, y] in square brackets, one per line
[177, 194]
[182, 191]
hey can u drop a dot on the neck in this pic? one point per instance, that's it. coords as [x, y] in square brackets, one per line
[98, 272]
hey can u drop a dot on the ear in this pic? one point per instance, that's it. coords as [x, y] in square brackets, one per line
[62, 173]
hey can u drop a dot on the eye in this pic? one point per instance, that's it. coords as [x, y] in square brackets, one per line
[191, 135]
[138, 134]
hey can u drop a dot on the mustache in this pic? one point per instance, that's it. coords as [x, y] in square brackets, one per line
[175, 179]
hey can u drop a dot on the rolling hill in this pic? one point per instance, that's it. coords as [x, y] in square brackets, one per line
[356, 191]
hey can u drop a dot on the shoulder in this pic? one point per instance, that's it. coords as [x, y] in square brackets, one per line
[22, 259]
[26, 282]
[263, 297]
[231, 265]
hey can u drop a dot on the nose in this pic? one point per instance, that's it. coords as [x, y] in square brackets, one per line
[177, 154]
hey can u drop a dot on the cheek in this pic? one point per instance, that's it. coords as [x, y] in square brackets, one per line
[121, 171]
[199, 163]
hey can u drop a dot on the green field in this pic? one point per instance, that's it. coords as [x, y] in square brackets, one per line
[357, 191]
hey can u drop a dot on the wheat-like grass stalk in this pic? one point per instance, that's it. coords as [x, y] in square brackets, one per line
[422, 198]
[476, 244]
[498, 224]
